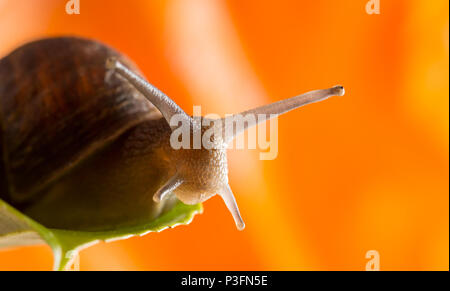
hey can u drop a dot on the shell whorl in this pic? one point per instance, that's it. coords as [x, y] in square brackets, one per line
[56, 109]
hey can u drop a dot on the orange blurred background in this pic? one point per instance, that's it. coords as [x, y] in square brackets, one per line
[368, 171]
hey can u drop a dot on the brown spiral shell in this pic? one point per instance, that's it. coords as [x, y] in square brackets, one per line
[56, 109]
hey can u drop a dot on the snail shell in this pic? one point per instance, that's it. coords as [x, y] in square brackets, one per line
[60, 120]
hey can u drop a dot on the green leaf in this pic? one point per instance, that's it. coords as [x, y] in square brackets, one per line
[17, 229]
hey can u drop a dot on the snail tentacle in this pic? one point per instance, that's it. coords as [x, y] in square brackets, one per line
[230, 202]
[165, 105]
[269, 111]
[168, 188]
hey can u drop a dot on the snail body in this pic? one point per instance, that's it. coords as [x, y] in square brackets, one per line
[84, 149]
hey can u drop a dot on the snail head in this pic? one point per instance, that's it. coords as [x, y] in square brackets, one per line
[201, 162]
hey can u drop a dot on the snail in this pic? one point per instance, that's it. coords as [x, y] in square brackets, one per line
[86, 140]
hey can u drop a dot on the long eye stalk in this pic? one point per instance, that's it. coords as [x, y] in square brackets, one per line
[165, 105]
[261, 114]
